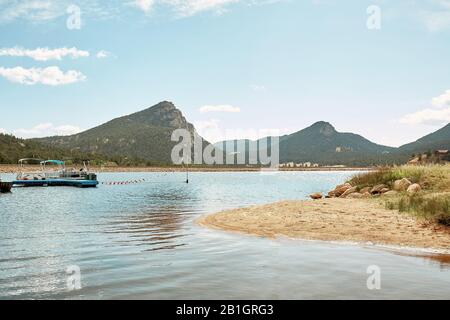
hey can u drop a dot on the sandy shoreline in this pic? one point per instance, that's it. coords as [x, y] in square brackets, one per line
[347, 220]
[7, 168]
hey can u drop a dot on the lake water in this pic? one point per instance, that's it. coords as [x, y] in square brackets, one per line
[140, 241]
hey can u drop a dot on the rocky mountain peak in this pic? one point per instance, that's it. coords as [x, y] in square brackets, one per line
[324, 128]
[164, 114]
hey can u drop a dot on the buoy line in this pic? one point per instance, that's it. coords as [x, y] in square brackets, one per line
[119, 183]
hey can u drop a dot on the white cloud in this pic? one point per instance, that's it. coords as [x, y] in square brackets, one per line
[444, 3]
[258, 88]
[209, 130]
[103, 54]
[438, 115]
[211, 124]
[428, 116]
[46, 10]
[144, 5]
[52, 76]
[442, 101]
[34, 10]
[219, 108]
[44, 54]
[436, 20]
[435, 14]
[2, 130]
[187, 8]
[213, 131]
[37, 11]
[46, 130]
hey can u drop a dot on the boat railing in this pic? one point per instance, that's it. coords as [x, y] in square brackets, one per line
[52, 175]
[30, 175]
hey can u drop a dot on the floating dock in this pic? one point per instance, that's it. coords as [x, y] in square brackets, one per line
[56, 183]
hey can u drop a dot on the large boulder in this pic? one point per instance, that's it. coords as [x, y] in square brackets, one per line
[316, 196]
[378, 189]
[402, 185]
[340, 189]
[390, 193]
[349, 191]
[365, 190]
[414, 188]
[356, 195]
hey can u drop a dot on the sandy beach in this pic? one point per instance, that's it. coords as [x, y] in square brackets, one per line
[350, 220]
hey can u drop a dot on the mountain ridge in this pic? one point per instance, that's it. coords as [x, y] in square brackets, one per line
[323, 144]
[12, 149]
[436, 140]
[145, 135]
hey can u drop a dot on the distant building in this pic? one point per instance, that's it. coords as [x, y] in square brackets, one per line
[287, 165]
[439, 156]
[299, 165]
[442, 155]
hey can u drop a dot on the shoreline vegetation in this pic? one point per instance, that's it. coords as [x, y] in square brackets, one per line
[11, 168]
[378, 207]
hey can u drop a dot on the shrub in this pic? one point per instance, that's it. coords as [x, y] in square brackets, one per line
[430, 177]
[435, 208]
[387, 176]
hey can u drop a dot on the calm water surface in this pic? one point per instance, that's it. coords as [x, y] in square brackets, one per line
[141, 242]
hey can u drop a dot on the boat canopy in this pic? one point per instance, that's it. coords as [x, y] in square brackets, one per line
[29, 160]
[57, 162]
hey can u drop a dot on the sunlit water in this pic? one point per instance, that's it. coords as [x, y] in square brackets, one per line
[141, 242]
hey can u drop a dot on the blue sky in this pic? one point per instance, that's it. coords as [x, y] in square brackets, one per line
[236, 68]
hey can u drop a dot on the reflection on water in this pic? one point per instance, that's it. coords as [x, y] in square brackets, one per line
[140, 241]
[443, 260]
[156, 229]
[440, 260]
[160, 222]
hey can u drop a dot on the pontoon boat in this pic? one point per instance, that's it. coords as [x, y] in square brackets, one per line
[59, 176]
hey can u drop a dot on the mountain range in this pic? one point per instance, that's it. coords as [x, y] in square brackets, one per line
[321, 143]
[145, 138]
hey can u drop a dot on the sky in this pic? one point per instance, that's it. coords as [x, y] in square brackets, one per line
[236, 68]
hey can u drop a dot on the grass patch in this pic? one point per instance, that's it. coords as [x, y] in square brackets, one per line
[432, 204]
[434, 207]
[430, 177]
[387, 176]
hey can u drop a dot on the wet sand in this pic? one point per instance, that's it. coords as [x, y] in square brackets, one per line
[348, 220]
